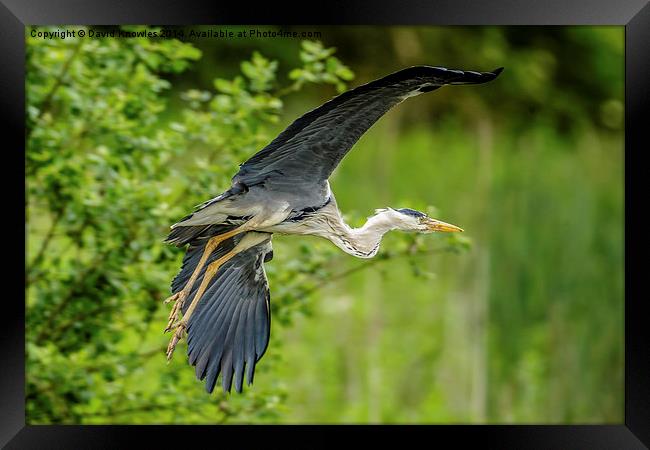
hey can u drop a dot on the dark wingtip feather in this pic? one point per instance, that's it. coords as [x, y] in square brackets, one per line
[440, 75]
[239, 379]
[226, 374]
[471, 77]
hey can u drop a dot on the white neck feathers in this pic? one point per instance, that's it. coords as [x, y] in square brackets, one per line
[363, 242]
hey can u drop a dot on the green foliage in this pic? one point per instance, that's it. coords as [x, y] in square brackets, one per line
[107, 175]
[319, 66]
[519, 322]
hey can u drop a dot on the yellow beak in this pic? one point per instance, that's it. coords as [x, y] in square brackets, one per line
[437, 225]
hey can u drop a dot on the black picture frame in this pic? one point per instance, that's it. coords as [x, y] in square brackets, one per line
[633, 14]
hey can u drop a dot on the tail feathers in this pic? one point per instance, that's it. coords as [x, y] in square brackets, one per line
[202, 219]
[181, 235]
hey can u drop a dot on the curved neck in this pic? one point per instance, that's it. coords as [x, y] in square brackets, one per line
[361, 242]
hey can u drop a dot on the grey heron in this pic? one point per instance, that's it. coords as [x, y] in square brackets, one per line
[221, 294]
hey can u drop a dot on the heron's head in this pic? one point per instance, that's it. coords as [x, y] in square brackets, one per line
[406, 219]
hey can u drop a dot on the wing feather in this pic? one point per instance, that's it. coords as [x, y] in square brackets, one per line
[250, 342]
[306, 152]
[227, 349]
[229, 329]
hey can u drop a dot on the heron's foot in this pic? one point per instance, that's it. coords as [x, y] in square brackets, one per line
[174, 315]
[173, 298]
[181, 327]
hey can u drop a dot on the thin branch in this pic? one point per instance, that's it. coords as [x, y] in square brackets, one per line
[287, 90]
[94, 265]
[45, 330]
[372, 263]
[62, 328]
[74, 238]
[58, 214]
[136, 358]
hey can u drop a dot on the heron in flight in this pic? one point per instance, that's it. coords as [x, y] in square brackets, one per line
[221, 294]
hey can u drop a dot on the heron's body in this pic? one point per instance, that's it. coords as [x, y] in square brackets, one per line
[221, 290]
[322, 220]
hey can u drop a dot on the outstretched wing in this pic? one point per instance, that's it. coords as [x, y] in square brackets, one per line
[229, 329]
[306, 153]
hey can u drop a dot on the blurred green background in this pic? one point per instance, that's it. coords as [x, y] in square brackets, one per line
[518, 320]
